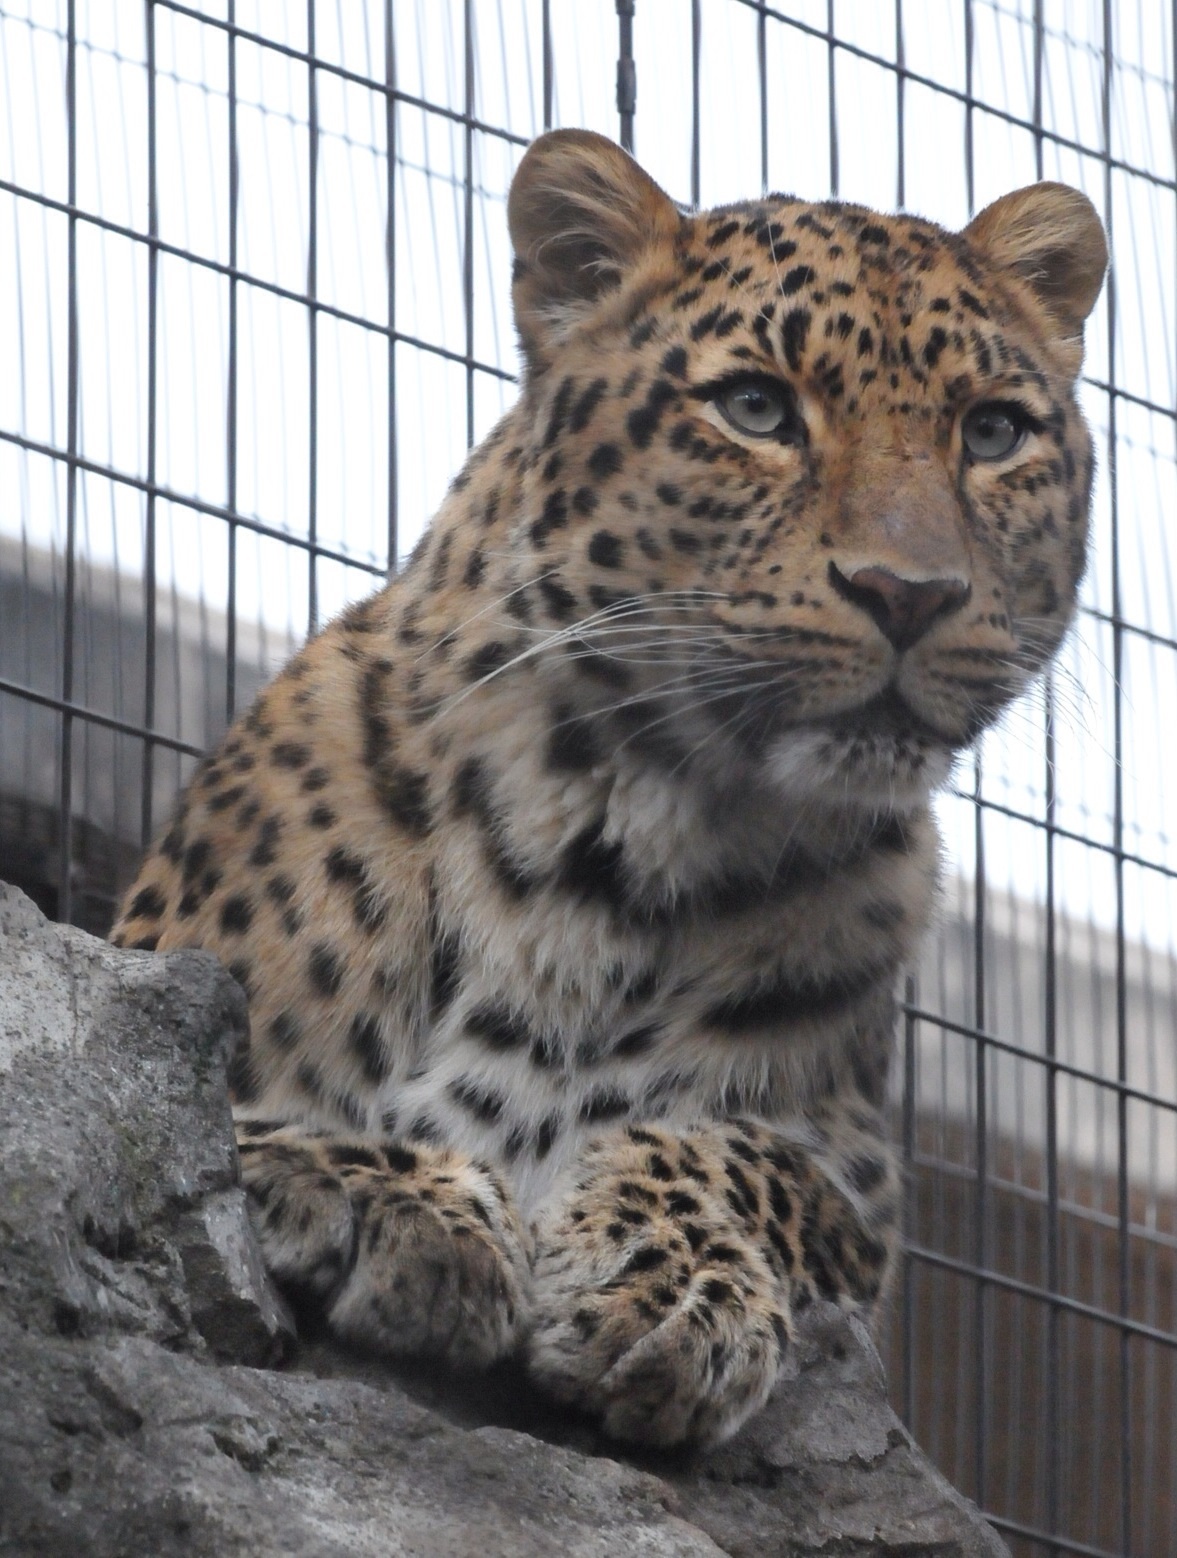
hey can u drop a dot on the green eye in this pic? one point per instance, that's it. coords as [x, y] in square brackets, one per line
[994, 430]
[760, 407]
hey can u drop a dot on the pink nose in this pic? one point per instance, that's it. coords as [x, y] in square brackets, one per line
[903, 609]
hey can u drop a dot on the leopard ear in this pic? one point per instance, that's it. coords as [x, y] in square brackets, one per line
[1050, 235]
[581, 214]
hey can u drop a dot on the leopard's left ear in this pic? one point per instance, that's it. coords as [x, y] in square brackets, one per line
[1050, 235]
[581, 214]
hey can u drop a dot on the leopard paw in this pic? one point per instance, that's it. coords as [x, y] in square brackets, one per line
[410, 1251]
[669, 1335]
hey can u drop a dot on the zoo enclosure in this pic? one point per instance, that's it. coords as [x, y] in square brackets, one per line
[253, 283]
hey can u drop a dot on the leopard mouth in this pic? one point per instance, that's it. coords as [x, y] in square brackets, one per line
[888, 715]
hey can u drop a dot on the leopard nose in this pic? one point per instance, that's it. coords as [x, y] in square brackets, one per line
[903, 609]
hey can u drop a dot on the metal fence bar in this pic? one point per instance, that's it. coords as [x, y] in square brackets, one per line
[1125, 1355]
[390, 192]
[1052, 1446]
[78, 711]
[1005, 115]
[627, 81]
[232, 386]
[468, 213]
[312, 325]
[147, 765]
[1113, 1320]
[186, 500]
[65, 797]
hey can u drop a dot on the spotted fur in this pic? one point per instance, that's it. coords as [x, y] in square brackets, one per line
[571, 875]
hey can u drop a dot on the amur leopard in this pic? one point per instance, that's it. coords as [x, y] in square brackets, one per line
[570, 876]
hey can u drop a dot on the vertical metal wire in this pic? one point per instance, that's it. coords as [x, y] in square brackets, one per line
[970, 181]
[546, 41]
[1053, 1436]
[981, 1151]
[1122, 1208]
[696, 126]
[762, 82]
[65, 794]
[147, 769]
[231, 397]
[312, 327]
[831, 87]
[627, 81]
[468, 216]
[910, 1230]
[900, 86]
[390, 264]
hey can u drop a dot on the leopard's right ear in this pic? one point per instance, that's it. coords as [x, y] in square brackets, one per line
[581, 214]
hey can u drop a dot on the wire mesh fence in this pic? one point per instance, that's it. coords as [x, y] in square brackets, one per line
[253, 298]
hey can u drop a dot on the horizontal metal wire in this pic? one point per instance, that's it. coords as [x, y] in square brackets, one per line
[1045, 1296]
[234, 273]
[1047, 1062]
[1056, 830]
[198, 505]
[93, 717]
[1047, 1538]
[968, 99]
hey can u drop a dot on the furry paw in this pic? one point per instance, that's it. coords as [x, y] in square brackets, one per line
[409, 1251]
[654, 1312]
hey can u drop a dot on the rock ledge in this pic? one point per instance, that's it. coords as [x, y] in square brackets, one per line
[142, 1407]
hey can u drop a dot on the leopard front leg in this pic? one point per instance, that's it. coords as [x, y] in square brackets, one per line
[407, 1250]
[667, 1277]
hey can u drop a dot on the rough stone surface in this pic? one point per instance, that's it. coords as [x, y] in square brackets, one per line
[142, 1411]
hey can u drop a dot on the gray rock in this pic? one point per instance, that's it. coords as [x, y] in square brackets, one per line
[140, 1414]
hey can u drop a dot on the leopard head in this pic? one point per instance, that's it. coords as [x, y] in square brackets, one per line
[807, 486]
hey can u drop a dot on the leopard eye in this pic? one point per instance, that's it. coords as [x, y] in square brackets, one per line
[993, 431]
[759, 407]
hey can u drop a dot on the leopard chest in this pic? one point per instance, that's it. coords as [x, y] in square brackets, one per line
[566, 1008]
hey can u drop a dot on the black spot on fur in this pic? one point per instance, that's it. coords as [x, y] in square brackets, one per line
[474, 570]
[605, 461]
[591, 869]
[800, 276]
[497, 1027]
[794, 332]
[642, 422]
[290, 754]
[572, 747]
[285, 1031]
[405, 795]
[487, 658]
[348, 1154]
[605, 550]
[265, 849]
[342, 866]
[148, 904]
[236, 915]
[444, 970]
[561, 602]
[196, 857]
[638, 1041]
[793, 1000]
[325, 969]
[937, 341]
[554, 516]
[586, 403]
[866, 1173]
[605, 1104]
[368, 1046]
[482, 1102]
